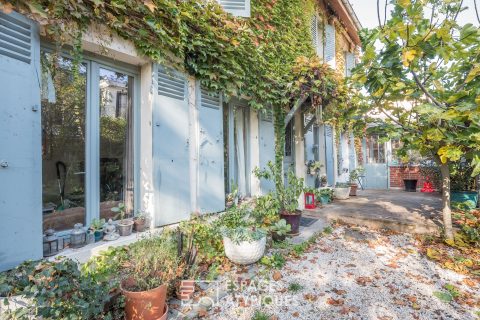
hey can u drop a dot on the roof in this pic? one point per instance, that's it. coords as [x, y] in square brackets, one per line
[344, 10]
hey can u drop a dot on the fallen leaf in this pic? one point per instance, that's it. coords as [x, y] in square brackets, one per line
[335, 302]
[363, 281]
[277, 275]
[296, 314]
[469, 282]
[347, 310]
[202, 313]
[339, 292]
[350, 265]
[310, 297]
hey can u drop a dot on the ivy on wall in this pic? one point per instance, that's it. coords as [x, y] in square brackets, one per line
[267, 59]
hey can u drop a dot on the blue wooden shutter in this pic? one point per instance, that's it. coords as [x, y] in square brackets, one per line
[211, 188]
[267, 146]
[239, 8]
[171, 153]
[330, 45]
[349, 63]
[20, 141]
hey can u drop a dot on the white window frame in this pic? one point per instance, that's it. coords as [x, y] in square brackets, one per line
[236, 12]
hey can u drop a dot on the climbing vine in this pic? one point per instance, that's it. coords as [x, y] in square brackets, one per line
[267, 59]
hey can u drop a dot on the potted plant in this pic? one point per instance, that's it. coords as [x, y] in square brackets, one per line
[98, 227]
[151, 270]
[140, 221]
[287, 195]
[244, 245]
[325, 195]
[464, 192]
[280, 229]
[341, 191]
[124, 226]
[353, 178]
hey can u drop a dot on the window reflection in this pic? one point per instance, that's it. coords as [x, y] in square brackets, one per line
[63, 142]
[116, 148]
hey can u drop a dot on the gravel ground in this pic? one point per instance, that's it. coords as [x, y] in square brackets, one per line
[352, 273]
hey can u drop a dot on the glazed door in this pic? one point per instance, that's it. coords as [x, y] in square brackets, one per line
[267, 146]
[375, 163]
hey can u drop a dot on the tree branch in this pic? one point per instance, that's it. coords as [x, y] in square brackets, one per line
[422, 87]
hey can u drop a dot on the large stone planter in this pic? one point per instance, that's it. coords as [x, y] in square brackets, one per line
[341, 193]
[244, 252]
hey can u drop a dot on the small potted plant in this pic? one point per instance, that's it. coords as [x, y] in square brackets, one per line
[140, 221]
[125, 225]
[353, 178]
[151, 270]
[98, 227]
[341, 191]
[325, 195]
[244, 245]
[279, 230]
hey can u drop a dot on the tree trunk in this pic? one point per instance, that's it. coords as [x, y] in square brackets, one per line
[447, 212]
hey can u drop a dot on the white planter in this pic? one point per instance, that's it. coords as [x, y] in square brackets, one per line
[341, 193]
[244, 252]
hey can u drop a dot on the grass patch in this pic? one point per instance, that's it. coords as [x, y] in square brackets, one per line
[295, 287]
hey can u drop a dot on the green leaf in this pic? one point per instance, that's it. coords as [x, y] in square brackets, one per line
[443, 296]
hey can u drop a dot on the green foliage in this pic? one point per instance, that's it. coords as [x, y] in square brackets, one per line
[443, 296]
[327, 230]
[266, 210]
[58, 290]
[461, 176]
[355, 174]
[97, 224]
[286, 195]
[235, 217]
[241, 234]
[295, 287]
[275, 261]
[281, 228]
[260, 315]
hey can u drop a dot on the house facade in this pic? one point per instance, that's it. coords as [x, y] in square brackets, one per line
[78, 139]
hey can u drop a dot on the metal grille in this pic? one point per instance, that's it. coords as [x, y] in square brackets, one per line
[210, 100]
[314, 31]
[330, 45]
[15, 38]
[233, 4]
[171, 84]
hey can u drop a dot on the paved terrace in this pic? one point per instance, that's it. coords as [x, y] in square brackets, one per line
[413, 212]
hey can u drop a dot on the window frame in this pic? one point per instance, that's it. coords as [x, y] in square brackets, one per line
[93, 64]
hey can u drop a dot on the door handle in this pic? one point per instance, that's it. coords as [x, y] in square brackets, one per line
[4, 164]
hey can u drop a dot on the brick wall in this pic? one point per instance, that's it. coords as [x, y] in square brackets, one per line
[398, 173]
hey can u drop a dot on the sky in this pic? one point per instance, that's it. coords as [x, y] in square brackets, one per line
[366, 11]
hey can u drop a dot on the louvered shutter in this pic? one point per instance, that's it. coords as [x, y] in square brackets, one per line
[211, 186]
[20, 141]
[239, 8]
[171, 147]
[266, 134]
[349, 63]
[330, 45]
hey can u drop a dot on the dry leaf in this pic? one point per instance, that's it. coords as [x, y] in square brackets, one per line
[347, 310]
[363, 281]
[296, 314]
[310, 297]
[339, 292]
[335, 302]
[277, 275]
[202, 313]
[150, 5]
[6, 8]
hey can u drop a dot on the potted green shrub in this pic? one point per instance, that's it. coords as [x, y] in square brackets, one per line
[286, 194]
[125, 225]
[325, 195]
[353, 178]
[341, 191]
[98, 228]
[279, 230]
[244, 245]
[151, 269]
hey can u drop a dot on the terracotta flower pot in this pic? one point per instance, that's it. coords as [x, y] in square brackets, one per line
[140, 225]
[293, 219]
[185, 290]
[145, 305]
[353, 189]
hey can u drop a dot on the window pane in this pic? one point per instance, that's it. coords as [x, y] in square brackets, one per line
[116, 143]
[63, 142]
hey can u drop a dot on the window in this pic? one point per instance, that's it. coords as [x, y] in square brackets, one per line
[317, 35]
[239, 8]
[116, 147]
[330, 45]
[87, 144]
[63, 142]
[349, 63]
[375, 150]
